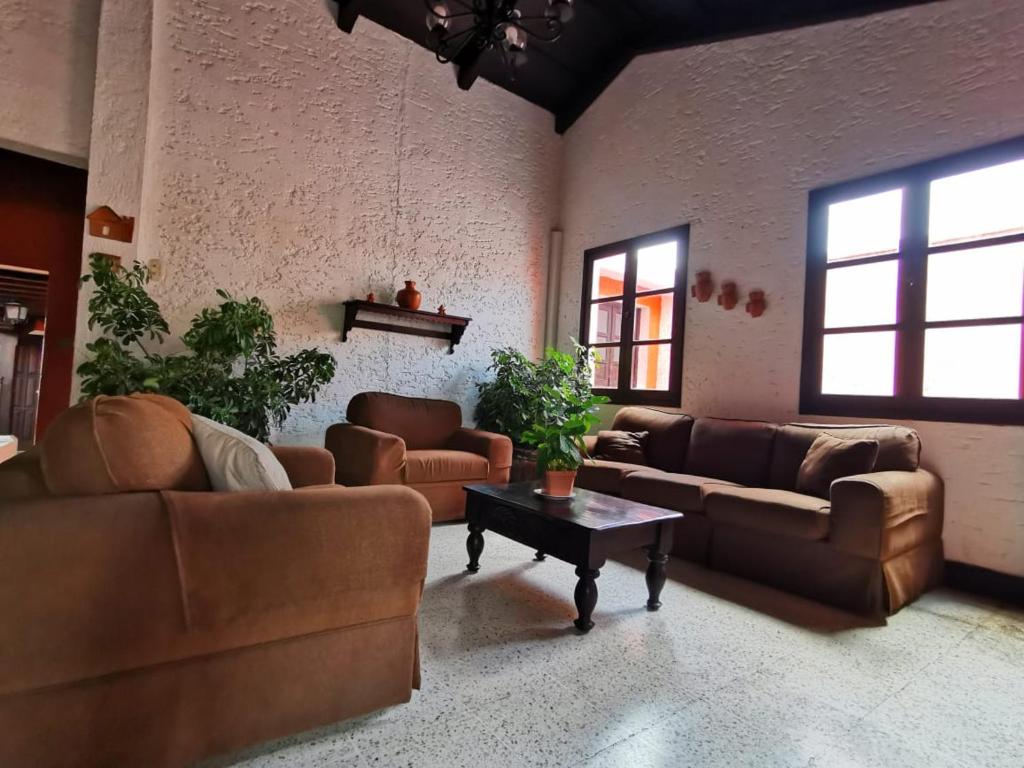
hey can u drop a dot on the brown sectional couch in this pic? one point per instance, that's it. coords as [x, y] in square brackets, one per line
[873, 546]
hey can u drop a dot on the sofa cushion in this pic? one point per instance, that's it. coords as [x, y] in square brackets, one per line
[605, 476]
[616, 445]
[422, 423]
[668, 435]
[830, 458]
[122, 444]
[439, 466]
[235, 461]
[768, 509]
[899, 448]
[727, 449]
[669, 490]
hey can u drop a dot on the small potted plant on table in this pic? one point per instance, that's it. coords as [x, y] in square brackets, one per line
[559, 440]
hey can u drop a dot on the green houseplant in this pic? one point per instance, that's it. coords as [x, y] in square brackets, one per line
[231, 371]
[545, 407]
[559, 438]
[519, 394]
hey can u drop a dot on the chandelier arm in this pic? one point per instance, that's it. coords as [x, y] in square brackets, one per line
[461, 14]
[448, 44]
[554, 25]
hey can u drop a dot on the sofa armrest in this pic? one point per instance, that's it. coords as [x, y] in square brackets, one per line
[244, 555]
[590, 443]
[364, 456]
[306, 465]
[497, 449]
[881, 514]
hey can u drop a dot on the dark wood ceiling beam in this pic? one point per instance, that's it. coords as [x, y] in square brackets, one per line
[592, 87]
[709, 27]
[348, 13]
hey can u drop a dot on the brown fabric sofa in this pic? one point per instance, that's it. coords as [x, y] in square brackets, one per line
[149, 621]
[873, 546]
[419, 443]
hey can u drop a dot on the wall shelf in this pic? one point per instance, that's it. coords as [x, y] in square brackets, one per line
[454, 326]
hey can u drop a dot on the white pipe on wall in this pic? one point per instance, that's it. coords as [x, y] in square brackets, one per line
[553, 288]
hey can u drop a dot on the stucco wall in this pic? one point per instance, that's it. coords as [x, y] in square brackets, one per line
[288, 160]
[47, 61]
[731, 137]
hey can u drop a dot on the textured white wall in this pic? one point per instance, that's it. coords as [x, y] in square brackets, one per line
[288, 160]
[47, 61]
[731, 137]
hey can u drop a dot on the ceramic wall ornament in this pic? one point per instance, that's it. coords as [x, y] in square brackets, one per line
[409, 297]
[757, 304]
[728, 298]
[703, 287]
[104, 222]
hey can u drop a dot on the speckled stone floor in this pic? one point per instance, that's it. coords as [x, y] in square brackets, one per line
[728, 673]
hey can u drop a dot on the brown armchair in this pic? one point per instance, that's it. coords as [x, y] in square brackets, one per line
[418, 443]
[150, 621]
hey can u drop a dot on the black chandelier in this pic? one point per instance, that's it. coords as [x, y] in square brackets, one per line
[461, 31]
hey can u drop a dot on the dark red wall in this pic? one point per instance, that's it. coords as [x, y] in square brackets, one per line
[42, 216]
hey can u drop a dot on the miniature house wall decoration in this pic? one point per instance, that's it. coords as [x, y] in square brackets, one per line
[104, 222]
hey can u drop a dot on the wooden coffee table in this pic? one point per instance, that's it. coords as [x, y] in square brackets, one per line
[582, 531]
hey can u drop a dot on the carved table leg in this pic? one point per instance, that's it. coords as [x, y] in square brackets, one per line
[539, 557]
[655, 577]
[586, 597]
[474, 546]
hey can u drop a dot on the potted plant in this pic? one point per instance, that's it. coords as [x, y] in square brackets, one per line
[559, 438]
[524, 393]
[231, 372]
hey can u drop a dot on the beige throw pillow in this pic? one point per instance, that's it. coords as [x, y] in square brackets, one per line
[830, 458]
[236, 462]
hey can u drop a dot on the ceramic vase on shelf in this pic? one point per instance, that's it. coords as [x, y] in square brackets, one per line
[409, 297]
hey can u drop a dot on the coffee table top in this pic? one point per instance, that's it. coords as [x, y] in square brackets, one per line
[587, 509]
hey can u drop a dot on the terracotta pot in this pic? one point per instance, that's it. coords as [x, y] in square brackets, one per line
[409, 297]
[559, 483]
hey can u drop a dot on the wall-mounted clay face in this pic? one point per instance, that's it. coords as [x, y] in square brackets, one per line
[728, 298]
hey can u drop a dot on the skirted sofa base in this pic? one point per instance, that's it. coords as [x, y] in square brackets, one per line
[873, 546]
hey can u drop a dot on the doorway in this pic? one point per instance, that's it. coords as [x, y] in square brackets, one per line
[42, 213]
[22, 329]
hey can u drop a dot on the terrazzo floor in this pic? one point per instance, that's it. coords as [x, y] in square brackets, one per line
[727, 673]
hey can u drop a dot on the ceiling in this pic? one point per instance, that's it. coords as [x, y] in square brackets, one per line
[565, 77]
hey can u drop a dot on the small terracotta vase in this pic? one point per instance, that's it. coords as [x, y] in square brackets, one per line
[559, 483]
[409, 297]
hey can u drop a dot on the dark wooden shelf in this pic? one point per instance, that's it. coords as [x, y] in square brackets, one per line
[454, 326]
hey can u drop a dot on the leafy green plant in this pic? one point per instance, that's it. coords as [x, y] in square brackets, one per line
[524, 393]
[559, 441]
[231, 372]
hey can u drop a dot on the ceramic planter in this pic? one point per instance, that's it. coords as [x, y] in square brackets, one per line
[559, 483]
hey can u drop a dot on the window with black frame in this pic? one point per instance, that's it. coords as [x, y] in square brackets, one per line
[915, 292]
[632, 315]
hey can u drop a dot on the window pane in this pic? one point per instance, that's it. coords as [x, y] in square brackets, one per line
[865, 226]
[970, 206]
[651, 363]
[976, 283]
[983, 361]
[653, 317]
[859, 364]
[609, 274]
[605, 322]
[606, 368]
[864, 294]
[656, 267]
